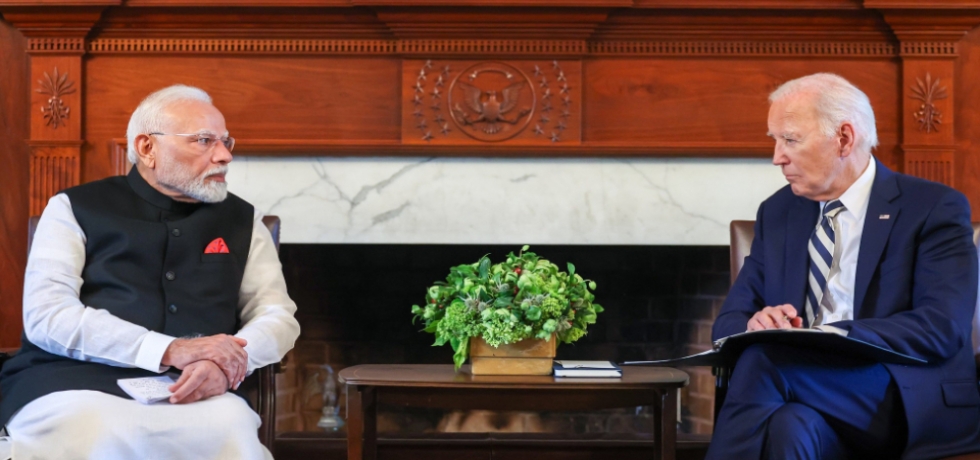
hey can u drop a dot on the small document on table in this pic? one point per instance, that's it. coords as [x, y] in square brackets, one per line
[147, 390]
[567, 368]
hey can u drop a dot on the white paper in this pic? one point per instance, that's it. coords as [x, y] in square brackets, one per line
[147, 390]
[585, 364]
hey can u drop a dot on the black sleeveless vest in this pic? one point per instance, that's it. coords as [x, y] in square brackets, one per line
[144, 263]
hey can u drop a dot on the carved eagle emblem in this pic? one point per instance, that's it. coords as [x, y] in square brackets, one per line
[488, 110]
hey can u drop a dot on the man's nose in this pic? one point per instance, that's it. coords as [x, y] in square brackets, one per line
[778, 157]
[221, 154]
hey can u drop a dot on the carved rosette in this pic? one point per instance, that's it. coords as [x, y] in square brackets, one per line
[55, 111]
[928, 91]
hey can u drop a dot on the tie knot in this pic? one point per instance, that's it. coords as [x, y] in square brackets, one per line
[832, 208]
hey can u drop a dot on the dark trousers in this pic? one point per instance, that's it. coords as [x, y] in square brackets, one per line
[790, 403]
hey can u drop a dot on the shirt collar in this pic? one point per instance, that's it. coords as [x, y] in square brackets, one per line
[856, 197]
[154, 197]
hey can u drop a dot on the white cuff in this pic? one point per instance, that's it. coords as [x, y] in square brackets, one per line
[831, 329]
[151, 352]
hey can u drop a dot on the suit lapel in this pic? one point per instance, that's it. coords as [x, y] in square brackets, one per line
[802, 220]
[876, 230]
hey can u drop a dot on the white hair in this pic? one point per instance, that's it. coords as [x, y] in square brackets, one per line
[837, 102]
[149, 116]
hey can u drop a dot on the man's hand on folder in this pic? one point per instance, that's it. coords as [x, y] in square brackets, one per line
[778, 317]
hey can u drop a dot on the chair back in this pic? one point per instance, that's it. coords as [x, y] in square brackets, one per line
[272, 223]
[976, 313]
[742, 232]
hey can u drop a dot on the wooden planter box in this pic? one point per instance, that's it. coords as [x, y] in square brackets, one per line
[527, 357]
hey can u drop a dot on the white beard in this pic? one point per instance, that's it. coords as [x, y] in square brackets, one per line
[176, 176]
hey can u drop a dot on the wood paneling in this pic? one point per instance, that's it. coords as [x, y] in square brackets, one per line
[14, 154]
[721, 100]
[343, 99]
[967, 126]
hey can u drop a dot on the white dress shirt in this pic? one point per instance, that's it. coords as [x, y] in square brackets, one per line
[838, 301]
[57, 321]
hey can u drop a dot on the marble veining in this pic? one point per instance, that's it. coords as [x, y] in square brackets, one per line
[505, 201]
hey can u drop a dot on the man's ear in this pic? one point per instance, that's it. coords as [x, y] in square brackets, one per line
[146, 150]
[846, 140]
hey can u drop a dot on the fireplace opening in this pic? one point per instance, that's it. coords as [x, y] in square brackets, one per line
[355, 308]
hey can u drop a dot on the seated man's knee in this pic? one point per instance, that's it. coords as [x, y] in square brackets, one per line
[232, 414]
[798, 431]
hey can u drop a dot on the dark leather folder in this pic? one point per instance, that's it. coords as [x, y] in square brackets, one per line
[727, 350]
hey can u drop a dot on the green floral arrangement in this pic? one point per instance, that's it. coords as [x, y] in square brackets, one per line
[521, 298]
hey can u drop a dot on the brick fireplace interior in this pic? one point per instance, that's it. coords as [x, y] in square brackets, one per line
[354, 307]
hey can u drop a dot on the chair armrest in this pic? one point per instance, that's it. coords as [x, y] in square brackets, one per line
[722, 375]
[260, 391]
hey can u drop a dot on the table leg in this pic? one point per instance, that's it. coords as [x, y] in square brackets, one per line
[664, 427]
[362, 427]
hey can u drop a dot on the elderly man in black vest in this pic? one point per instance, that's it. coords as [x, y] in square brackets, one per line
[161, 270]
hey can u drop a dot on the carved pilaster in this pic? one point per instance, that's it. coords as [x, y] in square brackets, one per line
[117, 157]
[54, 167]
[928, 50]
[55, 43]
[928, 138]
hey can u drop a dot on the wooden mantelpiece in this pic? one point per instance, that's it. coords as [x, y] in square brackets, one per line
[590, 78]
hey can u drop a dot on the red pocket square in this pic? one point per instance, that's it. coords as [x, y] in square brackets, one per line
[217, 246]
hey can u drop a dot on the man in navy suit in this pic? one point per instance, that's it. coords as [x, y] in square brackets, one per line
[850, 247]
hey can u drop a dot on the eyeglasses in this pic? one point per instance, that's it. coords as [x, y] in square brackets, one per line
[205, 141]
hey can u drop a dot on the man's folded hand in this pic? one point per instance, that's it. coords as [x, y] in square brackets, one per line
[200, 380]
[223, 350]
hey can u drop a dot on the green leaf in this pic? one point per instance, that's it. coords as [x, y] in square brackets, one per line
[525, 248]
[533, 313]
[484, 267]
[461, 354]
[592, 285]
[571, 269]
[432, 327]
[503, 301]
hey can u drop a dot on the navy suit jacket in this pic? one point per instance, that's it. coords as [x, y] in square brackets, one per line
[915, 292]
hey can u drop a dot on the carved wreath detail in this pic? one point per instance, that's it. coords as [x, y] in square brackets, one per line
[549, 113]
[55, 111]
[928, 92]
[435, 98]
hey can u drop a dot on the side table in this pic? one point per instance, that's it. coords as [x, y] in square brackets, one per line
[439, 386]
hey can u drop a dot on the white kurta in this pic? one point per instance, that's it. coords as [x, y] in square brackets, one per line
[91, 424]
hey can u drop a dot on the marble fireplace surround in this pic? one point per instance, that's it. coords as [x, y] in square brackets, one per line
[650, 201]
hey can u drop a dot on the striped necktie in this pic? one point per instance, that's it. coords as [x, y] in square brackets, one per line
[821, 250]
